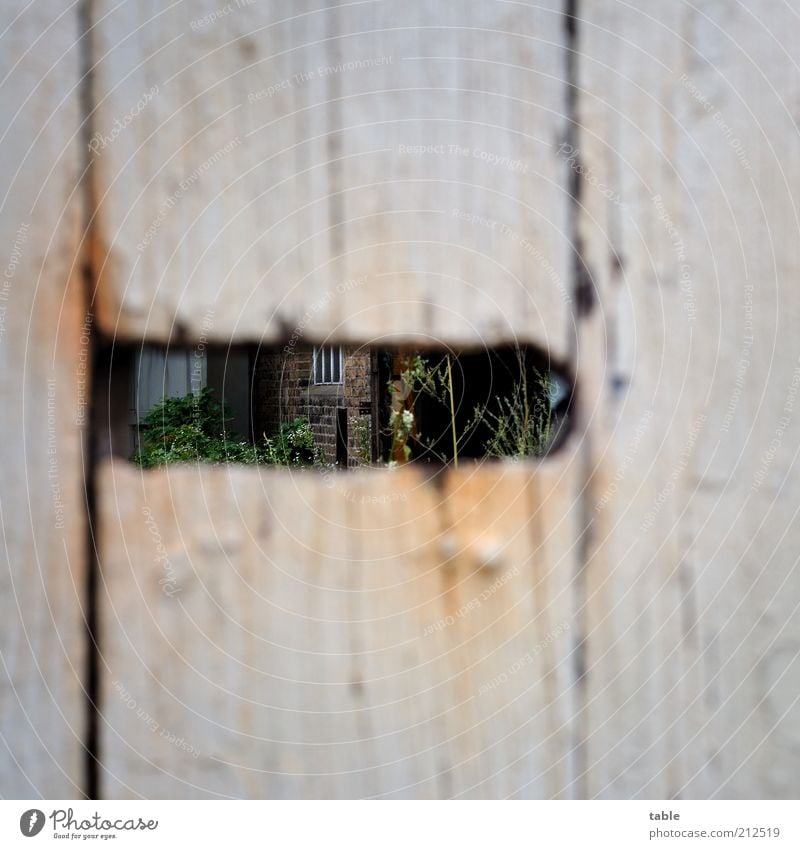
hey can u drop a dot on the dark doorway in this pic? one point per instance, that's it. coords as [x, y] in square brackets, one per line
[341, 437]
[497, 396]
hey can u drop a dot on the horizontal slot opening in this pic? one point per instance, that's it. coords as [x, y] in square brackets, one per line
[332, 406]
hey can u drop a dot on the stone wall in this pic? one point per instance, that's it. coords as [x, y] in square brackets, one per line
[283, 390]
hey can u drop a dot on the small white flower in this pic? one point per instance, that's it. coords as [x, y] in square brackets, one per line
[392, 465]
[408, 419]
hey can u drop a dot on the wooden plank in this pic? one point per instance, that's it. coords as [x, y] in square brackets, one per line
[319, 645]
[334, 168]
[744, 558]
[44, 384]
[510, 643]
[277, 634]
[406, 182]
[637, 417]
[689, 230]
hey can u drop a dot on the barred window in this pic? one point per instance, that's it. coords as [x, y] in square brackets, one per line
[327, 364]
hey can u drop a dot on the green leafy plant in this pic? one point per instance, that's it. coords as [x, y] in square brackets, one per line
[436, 382]
[416, 377]
[362, 430]
[194, 428]
[520, 425]
[401, 423]
[293, 445]
[186, 429]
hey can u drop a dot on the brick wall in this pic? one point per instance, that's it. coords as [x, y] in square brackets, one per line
[358, 400]
[283, 390]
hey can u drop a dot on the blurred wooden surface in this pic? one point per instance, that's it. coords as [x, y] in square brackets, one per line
[691, 584]
[617, 621]
[369, 165]
[339, 639]
[43, 383]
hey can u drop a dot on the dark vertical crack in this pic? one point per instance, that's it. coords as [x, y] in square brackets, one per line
[583, 299]
[583, 290]
[334, 142]
[92, 668]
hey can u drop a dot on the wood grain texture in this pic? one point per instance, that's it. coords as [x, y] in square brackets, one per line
[43, 382]
[360, 635]
[618, 621]
[353, 170]
[685, 118]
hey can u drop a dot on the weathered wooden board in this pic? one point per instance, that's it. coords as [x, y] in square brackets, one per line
[43, 383]
[620, 620]
[365, 634]
[687, 142]
[355, 170]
